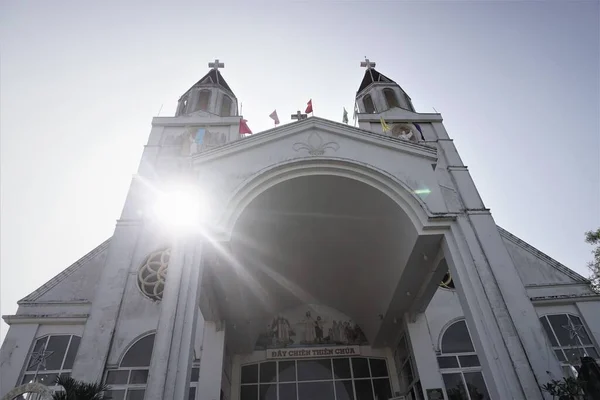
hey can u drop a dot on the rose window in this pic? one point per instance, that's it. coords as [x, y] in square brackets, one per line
[152, 274]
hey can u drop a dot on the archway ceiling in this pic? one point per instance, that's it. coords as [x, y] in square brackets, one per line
[319, 239]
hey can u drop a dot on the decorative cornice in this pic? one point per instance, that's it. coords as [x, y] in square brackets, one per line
[415, 117]
[565, 298]
[324, 125]
[213, 120]
[544, 257]
[55, 303]
[64, 274]
[74, 319]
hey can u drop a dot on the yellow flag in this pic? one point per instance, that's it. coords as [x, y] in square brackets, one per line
[385, 127]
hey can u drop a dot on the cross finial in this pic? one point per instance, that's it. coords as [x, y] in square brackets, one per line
[367, 64]
[216, 65]
[299, 116]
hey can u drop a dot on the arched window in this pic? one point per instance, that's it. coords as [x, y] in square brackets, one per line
[460, 365]
[226, 106]
[569, 339]
[368, 103]
[390, 98]
[128, 382]
[203, 100]
[50, 357]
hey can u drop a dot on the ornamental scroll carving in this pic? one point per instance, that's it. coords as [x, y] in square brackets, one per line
[315, 145]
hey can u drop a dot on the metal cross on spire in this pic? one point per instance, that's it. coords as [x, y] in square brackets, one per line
[216, 65]
[367, 64]
[299, 116]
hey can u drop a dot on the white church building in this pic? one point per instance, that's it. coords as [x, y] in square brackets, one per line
[313, 261]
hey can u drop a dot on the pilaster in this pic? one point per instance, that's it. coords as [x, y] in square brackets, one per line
[424, 353]
[173, 351]
[211, 363]
[100, 326]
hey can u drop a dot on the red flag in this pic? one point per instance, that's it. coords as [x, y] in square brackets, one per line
[274, 117]
[309, 107]
[244, 127]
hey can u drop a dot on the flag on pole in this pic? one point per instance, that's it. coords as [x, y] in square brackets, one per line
[309, 107]
[199, 135]
[345, 117]
[419, 129]
[384, 126]
[274, 117]
[244, 127]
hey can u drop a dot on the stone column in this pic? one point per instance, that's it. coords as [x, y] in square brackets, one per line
[211, 362]
[170, 368]
[423, 352]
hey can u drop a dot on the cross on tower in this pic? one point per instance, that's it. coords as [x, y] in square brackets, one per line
[299, 116]
[216, 65]
[367, 64]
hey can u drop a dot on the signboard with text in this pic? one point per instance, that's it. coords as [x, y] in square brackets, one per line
[311, 352]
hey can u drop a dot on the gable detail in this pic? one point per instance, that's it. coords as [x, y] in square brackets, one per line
[83, 261]
[560, 273]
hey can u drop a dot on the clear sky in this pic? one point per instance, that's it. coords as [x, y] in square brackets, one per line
[517, 83]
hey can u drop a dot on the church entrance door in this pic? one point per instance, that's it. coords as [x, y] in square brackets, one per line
[360, 378]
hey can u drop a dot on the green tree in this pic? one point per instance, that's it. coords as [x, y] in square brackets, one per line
[593, 238]
[78, 390]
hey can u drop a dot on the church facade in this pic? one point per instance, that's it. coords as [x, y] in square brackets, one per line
[326, 261]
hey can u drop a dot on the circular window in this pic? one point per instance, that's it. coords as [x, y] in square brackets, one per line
[447, 282]
[152, 274]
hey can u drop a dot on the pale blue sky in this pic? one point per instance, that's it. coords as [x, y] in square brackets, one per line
[516, 82]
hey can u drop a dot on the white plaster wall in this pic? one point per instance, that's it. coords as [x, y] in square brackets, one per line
[590, 315]
[443, 309]
[532, 269]
[13, 353]
[138, 314]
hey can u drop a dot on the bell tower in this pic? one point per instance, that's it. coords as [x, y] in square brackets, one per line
[385, 108]
[378, 93]
[211, 94]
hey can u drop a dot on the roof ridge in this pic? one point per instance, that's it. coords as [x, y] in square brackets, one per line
[36, 294]
[541, 255]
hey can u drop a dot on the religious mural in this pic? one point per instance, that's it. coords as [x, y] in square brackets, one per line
[310, 325]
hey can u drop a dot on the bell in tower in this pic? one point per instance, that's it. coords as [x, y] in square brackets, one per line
[211, 94]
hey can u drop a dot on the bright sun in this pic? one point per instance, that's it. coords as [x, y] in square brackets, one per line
[180, 208]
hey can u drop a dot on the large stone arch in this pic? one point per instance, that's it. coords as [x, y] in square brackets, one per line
[374, 251]
[262, 180]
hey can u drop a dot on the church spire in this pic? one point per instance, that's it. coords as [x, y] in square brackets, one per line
[211, 94]
[378, 93]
